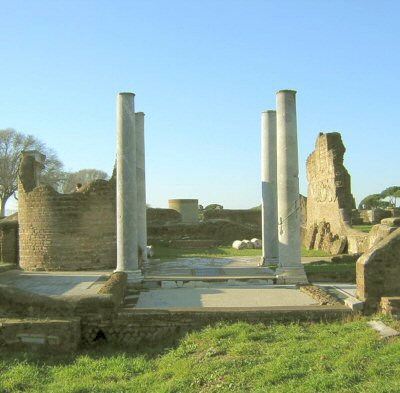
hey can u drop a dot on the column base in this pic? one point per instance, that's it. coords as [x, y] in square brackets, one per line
[291, 275]
[134, 276]
[264, 261]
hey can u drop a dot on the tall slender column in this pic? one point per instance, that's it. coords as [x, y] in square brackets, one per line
[270, 244]
[290, 267]
[141, 186]
[127, 244]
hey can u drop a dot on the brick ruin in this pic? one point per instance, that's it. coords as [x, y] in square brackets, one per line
[74, 231]
[329, 185]
[329, 199]
[77, 231]
[9, 239]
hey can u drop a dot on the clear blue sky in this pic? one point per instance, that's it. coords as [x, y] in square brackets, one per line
[202, 72]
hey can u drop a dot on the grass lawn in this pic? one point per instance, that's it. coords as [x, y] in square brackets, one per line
[363, 228]
[336, 357]
[165, 252]
[330, 267]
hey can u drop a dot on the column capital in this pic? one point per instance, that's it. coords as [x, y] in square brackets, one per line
[286, 91]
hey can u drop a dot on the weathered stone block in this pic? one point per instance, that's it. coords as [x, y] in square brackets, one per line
[338, 246]
[49, 335]
[391, 222]
[378, 272]
[310, 237]
[239, 245]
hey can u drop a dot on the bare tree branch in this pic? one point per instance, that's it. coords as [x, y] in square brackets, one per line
[12, 143]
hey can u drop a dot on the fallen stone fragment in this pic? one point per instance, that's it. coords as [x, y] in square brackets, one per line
[384, 330]
[256, 243]
[238, 245]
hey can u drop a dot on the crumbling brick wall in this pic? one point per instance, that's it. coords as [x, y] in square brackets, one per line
[329, 197]
[66, 231]
[329, 192]
[9, 239]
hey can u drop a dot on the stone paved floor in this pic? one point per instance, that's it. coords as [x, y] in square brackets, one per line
[234, 266]
[224, 296]
[208, 295]
[55, 283]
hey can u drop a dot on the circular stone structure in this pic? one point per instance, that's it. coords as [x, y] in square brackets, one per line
[188, 208]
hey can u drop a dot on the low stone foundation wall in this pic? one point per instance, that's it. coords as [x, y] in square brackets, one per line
[147, 326]
[49, 335]
[218, 230]
[374, 216]
[157, 216]
[244, 217]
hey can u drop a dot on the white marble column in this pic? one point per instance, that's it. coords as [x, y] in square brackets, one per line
[141, 186]
[270, 245]
[127, 244]
[290, 268]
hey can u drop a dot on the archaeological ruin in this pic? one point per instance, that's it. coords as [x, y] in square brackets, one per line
[64, 231]
[97, 238]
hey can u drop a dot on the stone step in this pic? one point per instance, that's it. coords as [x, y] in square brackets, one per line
[205, 282]
[129, 297]
[209, 278]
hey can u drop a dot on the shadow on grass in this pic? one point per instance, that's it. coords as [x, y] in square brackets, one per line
[99, 350]
[322, 271]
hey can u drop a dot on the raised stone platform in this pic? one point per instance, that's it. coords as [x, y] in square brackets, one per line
[222, 296]
[174, 305]
[55, 283]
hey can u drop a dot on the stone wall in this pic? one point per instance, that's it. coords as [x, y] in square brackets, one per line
[188, 209]
[66, 231]
[223, 231]
[374, 216]
[378, 272]
[380, 231]
[244, 217]
[72, 320]
[157, 216]
[49, 335]
[9, 239]
[148, 326]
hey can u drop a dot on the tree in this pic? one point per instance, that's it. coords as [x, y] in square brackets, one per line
[371, 202]
[12, 143]
[214, 206]
[392, 193]
[83, 176]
